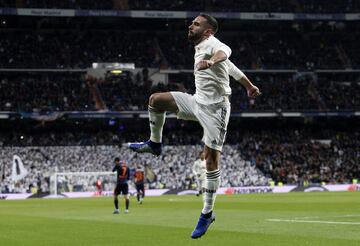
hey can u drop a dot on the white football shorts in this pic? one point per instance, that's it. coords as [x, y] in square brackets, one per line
[214, 118]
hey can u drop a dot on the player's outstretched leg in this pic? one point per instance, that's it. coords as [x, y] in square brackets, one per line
[153, 145]
[203, 224]
[159, 103]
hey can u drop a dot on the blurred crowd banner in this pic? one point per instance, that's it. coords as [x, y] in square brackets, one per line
[178, 14]
[221, 191]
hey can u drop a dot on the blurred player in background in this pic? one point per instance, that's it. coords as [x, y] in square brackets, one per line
[139, 178]
[98, 185]
[210, 106]
[199, 171]
[122, 187]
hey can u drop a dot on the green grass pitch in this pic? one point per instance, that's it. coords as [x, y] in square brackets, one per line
[255, 219]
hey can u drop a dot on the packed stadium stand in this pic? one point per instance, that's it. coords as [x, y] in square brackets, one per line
[304, 128]
[173, 169]
[69, 91]
[291, 153]
[305, 46]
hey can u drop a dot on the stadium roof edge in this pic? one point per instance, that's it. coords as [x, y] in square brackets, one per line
[152, 14]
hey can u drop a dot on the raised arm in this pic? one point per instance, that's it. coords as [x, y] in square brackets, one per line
[221, 52]
[219, 56]
[252, 90]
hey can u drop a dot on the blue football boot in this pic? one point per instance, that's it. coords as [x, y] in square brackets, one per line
[146, 147]
[202, 225]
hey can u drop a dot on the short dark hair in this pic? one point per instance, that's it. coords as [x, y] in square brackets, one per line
[117, 159]
[211, 21]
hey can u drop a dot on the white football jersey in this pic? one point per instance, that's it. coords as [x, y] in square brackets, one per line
[211, 84]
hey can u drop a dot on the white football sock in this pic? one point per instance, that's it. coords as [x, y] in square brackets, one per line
[212, 182]
[156, 121]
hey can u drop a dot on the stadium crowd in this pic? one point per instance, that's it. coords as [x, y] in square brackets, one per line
[75, 49]
[172, 170]
[67, 92]
[305, 46]
[299, 6]
[294, 157]
[281, 92]
[301, 45]
[252, 157]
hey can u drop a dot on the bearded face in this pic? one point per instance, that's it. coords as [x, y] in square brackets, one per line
[194, 36]
[197, 29]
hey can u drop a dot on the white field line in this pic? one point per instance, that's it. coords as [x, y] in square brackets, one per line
[314, 222]
[304, 218]
[337, 216]
[347, 216]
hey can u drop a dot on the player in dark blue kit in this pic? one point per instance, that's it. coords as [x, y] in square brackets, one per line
[139, 183]
[122, 187]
